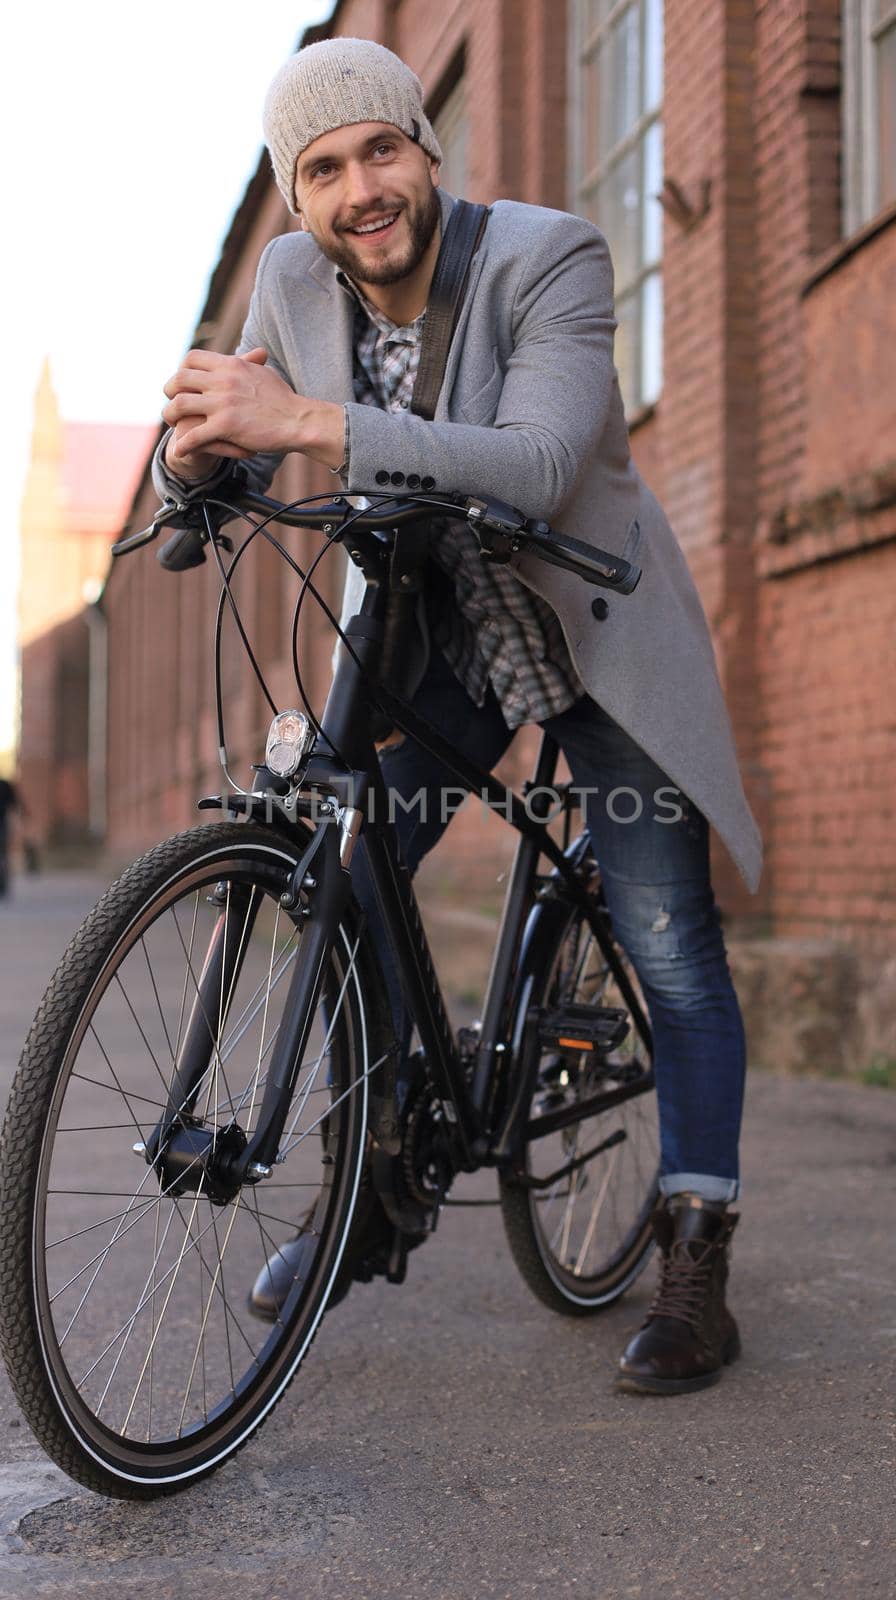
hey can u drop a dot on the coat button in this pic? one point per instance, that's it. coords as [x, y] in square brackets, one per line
[382, 476]
[428, 483]
[397, 479]
[413, 480]
[599, 608]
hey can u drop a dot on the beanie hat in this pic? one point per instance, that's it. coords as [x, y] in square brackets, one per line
[332, 84]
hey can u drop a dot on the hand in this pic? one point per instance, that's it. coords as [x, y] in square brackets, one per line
[236, 406]
[200, 463]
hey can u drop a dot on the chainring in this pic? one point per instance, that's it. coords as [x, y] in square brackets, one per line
[426, 1168]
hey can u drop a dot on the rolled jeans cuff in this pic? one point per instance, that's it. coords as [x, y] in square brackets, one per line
[702, 1183]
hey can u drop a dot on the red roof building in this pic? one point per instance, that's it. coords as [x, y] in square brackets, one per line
[81, 479]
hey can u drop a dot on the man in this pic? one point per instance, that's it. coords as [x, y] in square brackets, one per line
[10, 801]
[530, 412]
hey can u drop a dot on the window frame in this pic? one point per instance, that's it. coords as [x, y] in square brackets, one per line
[456, 103]
[862, 32]
[584, 183]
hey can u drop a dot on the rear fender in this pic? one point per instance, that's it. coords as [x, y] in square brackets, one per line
[542, 933]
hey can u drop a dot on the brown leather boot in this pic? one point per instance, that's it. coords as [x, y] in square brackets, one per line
[689, 1334]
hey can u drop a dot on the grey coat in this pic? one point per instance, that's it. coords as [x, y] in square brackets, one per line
[530, 411]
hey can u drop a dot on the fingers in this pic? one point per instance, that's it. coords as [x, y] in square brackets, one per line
[204, 437]
[217, 448]
[186, 380]
[185, 404]
[234, 452]
[200, 368]
[206, 360]
[237, 399]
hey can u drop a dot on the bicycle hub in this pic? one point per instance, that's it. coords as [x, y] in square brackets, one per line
[199, 1160]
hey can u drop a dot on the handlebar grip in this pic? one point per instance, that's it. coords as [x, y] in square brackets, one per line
[183, 550]
[589, 561]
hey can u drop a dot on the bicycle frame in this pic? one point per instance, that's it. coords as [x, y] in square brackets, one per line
[345, 789]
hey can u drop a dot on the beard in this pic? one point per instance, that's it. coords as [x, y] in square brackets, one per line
[422, 218]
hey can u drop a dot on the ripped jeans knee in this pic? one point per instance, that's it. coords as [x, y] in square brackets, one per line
[672, 934]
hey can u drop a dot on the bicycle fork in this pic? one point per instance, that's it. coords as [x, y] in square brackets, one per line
[187, 1154]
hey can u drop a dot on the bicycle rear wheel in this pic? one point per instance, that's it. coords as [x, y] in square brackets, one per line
[123, 1317]
[582, 1240]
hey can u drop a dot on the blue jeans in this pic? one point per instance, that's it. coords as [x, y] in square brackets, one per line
[653, 848]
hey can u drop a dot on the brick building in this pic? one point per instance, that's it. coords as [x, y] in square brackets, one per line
[740, 155]
[79, 485]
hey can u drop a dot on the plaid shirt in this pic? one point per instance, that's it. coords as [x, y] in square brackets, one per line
[497, 629]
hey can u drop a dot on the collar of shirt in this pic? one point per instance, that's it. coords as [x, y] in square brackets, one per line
[407, 333]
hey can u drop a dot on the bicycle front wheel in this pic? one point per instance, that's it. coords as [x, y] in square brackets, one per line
[581, 1239]
[123, 1304]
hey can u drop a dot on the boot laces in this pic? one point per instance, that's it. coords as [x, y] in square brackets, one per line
[684, 1281]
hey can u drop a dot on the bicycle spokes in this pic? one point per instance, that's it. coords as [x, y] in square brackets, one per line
[147, 1267]
[593, 1176]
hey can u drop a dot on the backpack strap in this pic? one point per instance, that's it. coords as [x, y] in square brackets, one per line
[460, 239]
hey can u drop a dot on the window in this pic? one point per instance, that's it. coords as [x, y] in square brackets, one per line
[617, 148]
[450, 124]
[869, 109]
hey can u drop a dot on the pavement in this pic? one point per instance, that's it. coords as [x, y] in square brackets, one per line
[454, 1439]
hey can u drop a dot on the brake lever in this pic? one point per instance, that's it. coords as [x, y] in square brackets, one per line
[136, 541]
[497, 527]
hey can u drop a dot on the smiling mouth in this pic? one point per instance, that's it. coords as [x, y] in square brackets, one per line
[377, 229]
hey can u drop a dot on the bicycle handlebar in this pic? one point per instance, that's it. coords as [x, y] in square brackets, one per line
[502, 531]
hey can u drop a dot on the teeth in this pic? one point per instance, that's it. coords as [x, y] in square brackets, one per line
[375, 227]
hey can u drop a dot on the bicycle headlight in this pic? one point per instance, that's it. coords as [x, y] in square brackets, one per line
[290, 737]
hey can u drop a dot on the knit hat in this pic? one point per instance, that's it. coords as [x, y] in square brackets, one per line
[332, 84]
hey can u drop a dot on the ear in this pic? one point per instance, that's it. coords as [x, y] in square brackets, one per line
[435, 171]
[295, 196]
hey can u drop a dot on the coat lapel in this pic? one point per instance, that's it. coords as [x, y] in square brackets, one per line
[457, 343]
[326, 345]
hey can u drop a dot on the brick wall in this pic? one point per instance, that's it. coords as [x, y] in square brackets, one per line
[826, 518]
[771, 446]
[53, 741]
[851, 394]
[829, 670]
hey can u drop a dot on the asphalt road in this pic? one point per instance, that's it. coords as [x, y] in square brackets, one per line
[454, 1439]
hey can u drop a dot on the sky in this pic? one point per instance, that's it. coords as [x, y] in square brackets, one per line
[128, 133]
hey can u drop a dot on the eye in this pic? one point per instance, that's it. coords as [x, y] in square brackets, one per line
[384, 148]
[323, 170]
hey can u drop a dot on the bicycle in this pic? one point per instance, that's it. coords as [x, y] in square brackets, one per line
[215, 1055]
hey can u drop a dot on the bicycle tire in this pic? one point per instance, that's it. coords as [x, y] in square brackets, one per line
[44, 1363]
[565, 1285]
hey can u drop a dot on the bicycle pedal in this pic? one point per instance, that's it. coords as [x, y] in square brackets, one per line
[576, 1028]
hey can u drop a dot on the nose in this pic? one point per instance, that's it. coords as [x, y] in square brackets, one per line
[363, 188]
